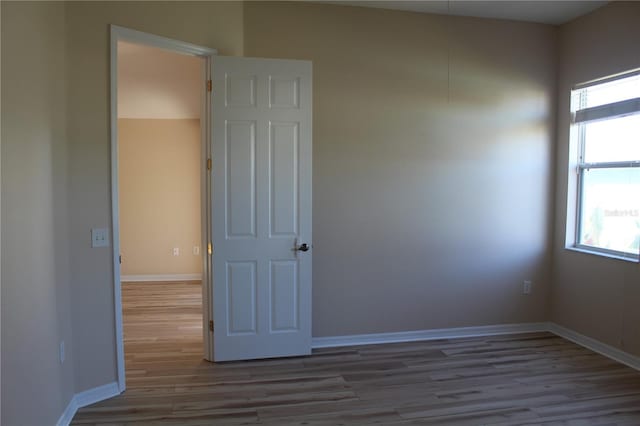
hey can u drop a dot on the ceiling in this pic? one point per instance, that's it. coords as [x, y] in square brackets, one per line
[541, 11]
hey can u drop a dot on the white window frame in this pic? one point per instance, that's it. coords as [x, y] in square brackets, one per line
[579, 118]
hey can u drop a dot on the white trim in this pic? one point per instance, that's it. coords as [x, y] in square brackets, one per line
[418, 335]
[97, 394]
[115, 209]
[88, 397]
[166, 277]
[133, 36]
[608, 79]
[596, 346]
[205, 215]
[118, 33]
[603, 253]
[69, 412]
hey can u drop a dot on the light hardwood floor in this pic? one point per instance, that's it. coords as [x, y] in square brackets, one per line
[528, 379]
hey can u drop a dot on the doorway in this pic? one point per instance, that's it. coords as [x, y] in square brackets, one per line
[256, 198]
[161, 199]
[159, 158]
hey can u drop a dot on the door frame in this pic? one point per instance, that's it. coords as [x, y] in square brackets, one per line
[117, 34]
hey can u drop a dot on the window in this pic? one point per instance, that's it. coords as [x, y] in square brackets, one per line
[606, 129]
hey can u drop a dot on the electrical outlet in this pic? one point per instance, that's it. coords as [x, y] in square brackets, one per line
[176, 251]
[526, 288]
[62, 352]
[196, 250]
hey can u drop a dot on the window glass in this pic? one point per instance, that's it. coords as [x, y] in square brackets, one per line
[610, 209]
[616, 139]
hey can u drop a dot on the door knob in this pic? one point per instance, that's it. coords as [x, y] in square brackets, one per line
[303, 247]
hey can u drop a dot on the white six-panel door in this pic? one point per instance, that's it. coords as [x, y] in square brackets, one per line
[261, 207]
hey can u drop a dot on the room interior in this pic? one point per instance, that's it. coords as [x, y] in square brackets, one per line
[159, 150]
[440, 177]
[159, 202]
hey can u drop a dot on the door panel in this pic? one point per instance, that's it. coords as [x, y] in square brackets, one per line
[240, 90]
[242, 302]
[261, 207]
[284, 296]
[283, 92]
[240, 141]
[284, 179]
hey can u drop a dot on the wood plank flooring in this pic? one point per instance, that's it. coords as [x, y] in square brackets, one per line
[527, 379]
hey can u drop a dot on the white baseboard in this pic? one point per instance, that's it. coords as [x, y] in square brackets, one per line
[165, 277]
[596, 346]
[418, 335]
[69, 412]
[88, 397]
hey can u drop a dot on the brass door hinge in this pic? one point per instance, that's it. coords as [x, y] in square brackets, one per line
[208, 163]
[209, 249]
[211, 325]
[209, 86]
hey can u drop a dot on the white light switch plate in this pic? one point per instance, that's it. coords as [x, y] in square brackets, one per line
[100, 237]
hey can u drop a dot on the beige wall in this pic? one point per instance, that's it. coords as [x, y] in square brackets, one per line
[593, 295]
[35, 252]
[159, 178]
[156, 83]
[433, 153]
[431, 195]
[212, 24]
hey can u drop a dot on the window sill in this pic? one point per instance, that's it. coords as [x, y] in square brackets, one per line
[602, 254]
